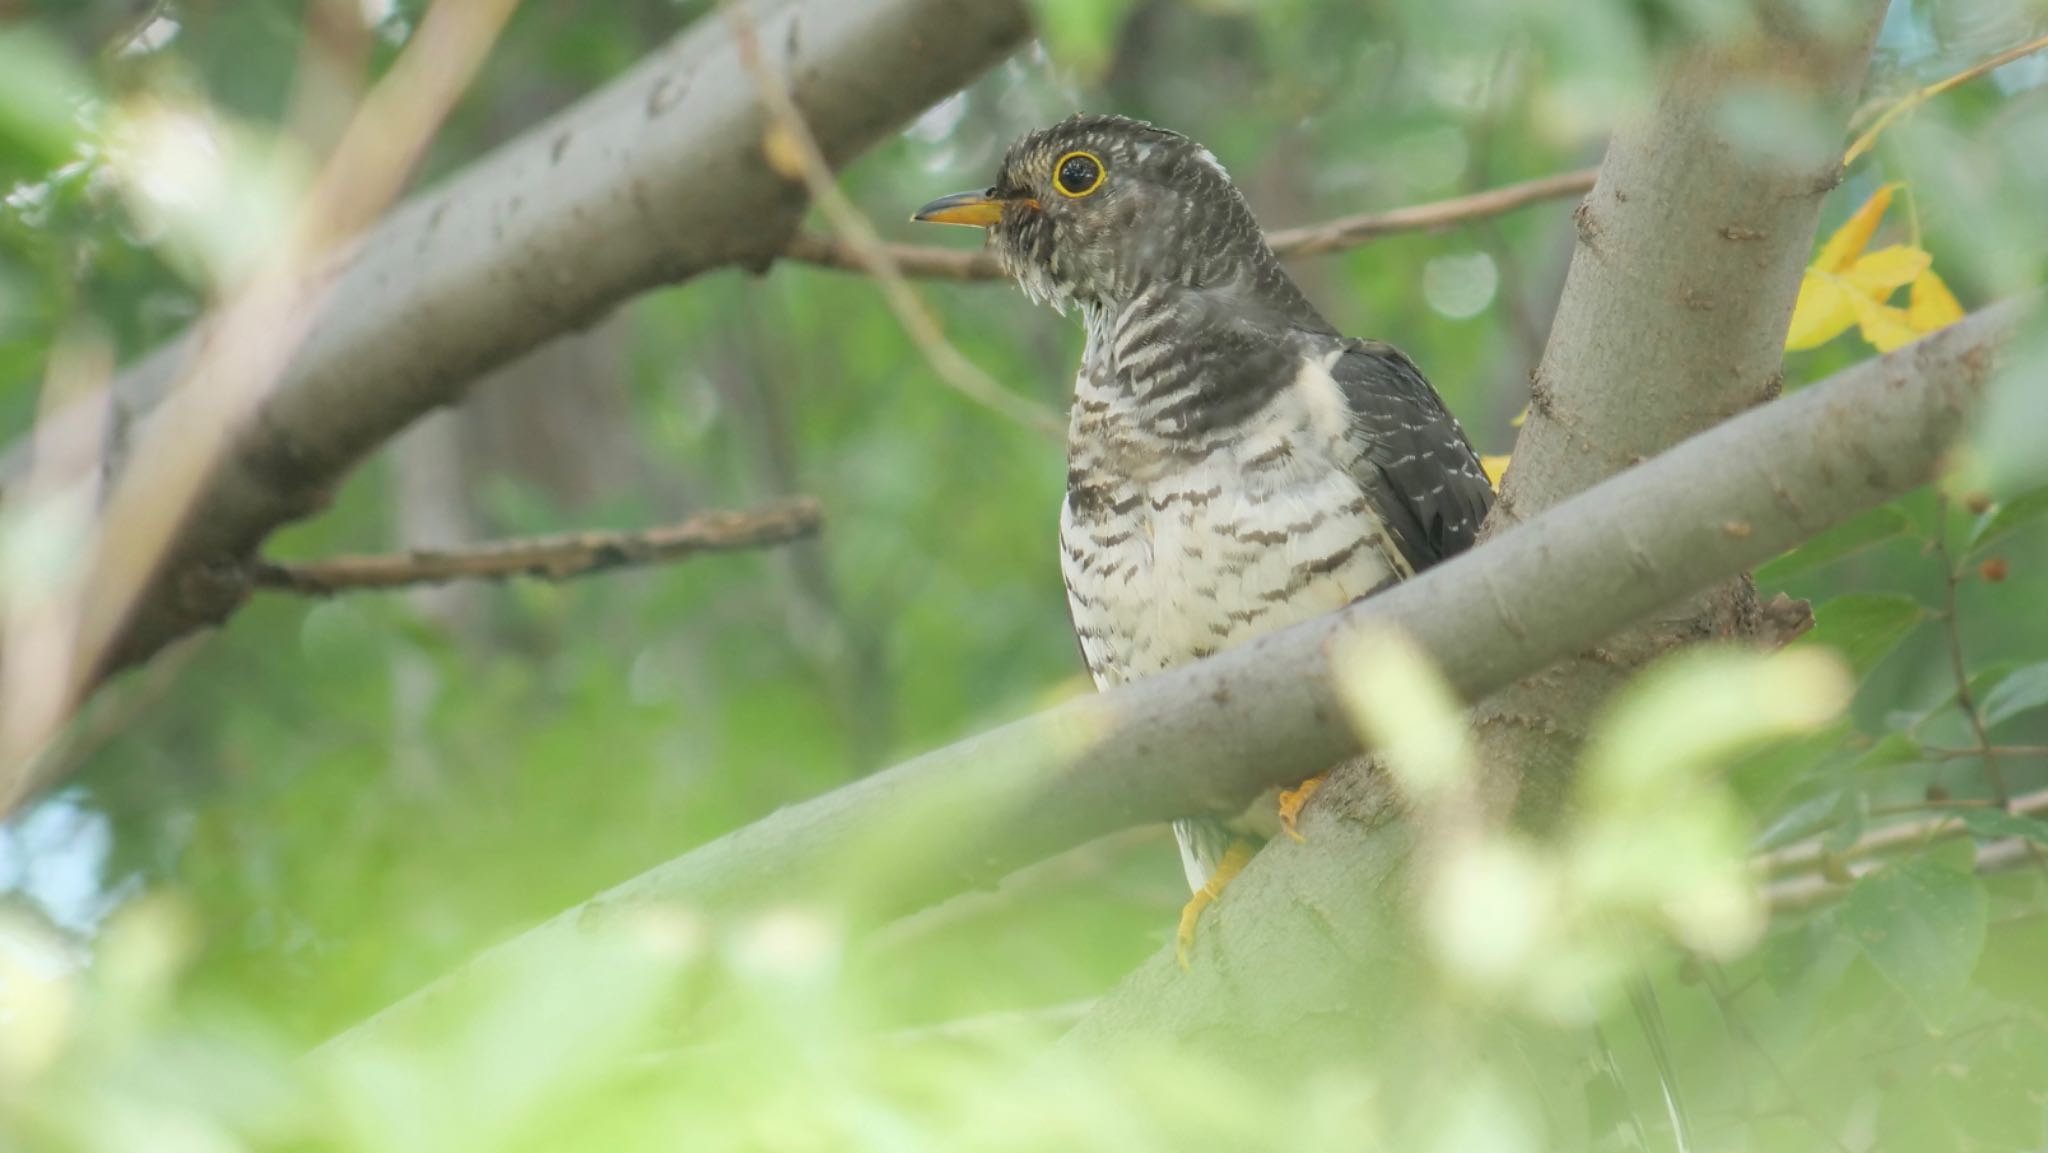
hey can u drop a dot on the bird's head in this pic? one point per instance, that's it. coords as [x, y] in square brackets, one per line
[1096, 208]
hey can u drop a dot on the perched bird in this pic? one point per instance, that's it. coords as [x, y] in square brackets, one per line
[1235, 464]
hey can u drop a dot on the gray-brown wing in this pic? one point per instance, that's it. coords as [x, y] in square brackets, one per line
[1419, 471]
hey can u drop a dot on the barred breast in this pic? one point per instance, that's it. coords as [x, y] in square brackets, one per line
[1173, 552]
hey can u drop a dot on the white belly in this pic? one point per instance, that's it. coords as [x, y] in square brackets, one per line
[1173, 569]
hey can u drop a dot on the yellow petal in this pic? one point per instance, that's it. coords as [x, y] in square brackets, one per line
[1932, 306]
[1879, 273]
[1848, 242]
[1822, 313]
[1520, 417]
[1882, 325]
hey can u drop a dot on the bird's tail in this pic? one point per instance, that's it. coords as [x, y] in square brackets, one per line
[1203, 841]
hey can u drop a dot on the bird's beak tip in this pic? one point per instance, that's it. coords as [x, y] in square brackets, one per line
[973, 209]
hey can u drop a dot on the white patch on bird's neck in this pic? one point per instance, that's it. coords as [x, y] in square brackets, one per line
[1038, 283]
[1323, 397]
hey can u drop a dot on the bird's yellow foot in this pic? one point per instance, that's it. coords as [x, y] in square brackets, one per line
[1234, 860]
[1293, 799]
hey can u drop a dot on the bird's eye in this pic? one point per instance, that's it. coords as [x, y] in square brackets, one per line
[1078, 174]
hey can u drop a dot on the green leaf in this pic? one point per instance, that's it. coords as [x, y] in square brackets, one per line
[2023, 690]
[1893, 749]
[1874, 527]
[1995, 824]
[1851, 817]
[1863, 627]
[1922, 925]
[1983, 684]
[1975, 1092]
[2009, 516]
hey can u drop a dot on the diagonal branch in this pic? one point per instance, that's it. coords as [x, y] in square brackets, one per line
[1216, 733]
[556, 557]
[932, 261]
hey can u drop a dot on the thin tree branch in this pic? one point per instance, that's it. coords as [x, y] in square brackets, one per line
[1998, 750]
[1813, 856]
[934, 262]
[793, 152]
[1810, 890]
[1915, 99]
[1212, 735]
[555, 557]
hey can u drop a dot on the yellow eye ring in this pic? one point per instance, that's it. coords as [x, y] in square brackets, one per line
[1086, 176]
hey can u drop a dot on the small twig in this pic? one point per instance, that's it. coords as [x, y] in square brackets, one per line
[1966, 699]
[1925, 806]
[2006, 751]
[1915, 99]
[1345, 232]
[557, 557]
[793, 152]
[1808, 856]
[1793, 894]
[1351, 231]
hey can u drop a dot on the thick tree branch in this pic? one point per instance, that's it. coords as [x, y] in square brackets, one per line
[930, 260]
[655, 178]
[556, 557]
[1214, 734]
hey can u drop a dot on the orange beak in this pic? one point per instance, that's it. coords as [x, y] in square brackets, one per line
[974, 209]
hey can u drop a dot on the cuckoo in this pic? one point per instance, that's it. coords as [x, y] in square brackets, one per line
[1235, 464]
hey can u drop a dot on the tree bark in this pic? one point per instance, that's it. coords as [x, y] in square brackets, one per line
[656, 178]
[1673, 319]
[1216, 733]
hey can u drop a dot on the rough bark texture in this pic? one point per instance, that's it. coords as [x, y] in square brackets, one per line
[1216, 733]
[656, 178]
[1672, 320]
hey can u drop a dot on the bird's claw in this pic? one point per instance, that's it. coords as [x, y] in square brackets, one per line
[1234, 860]
[1291, 802]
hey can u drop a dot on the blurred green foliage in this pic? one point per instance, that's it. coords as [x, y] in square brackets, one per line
[293, 823]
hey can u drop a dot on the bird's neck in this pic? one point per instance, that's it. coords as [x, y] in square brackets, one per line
[1243, 288]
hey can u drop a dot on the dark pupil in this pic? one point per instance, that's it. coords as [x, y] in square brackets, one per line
[1077, 174]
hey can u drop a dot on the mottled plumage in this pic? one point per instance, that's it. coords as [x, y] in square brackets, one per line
[1235, 465]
